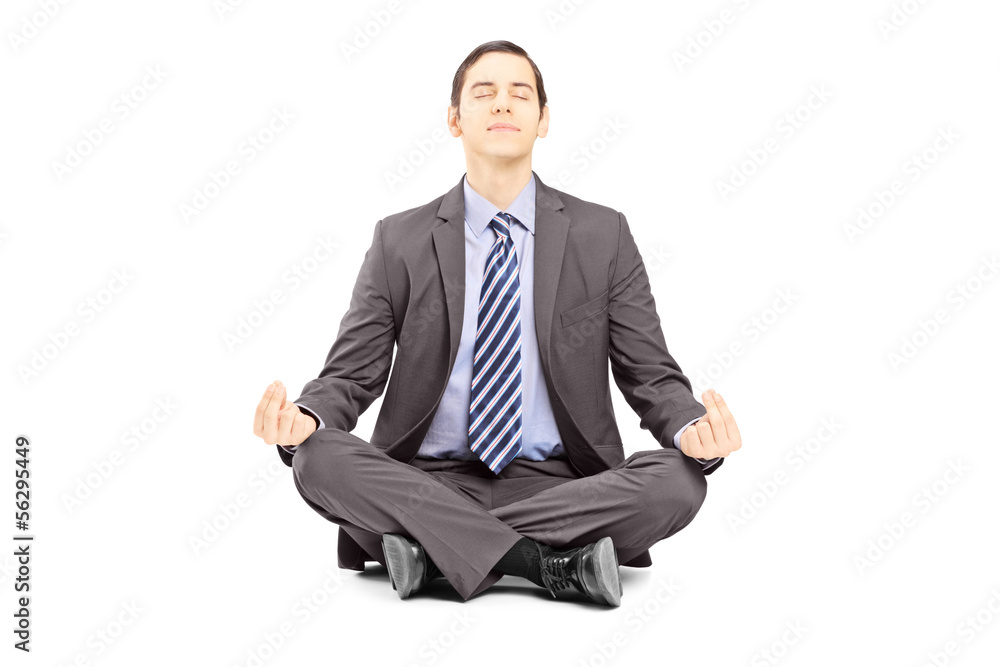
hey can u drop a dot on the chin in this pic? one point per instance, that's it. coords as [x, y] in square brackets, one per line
[512, 155]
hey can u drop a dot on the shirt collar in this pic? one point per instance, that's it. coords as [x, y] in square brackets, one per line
[479, 211]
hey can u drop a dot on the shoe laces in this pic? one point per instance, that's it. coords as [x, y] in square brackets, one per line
[553, 571]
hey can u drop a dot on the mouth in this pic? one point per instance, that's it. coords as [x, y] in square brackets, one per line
[502, 127]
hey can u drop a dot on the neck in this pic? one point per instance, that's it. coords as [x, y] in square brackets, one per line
[499, 183]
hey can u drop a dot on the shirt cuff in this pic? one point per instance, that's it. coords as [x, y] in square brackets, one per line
[708, 464]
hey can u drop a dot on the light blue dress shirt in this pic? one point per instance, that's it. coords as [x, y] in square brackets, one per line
[448, 435]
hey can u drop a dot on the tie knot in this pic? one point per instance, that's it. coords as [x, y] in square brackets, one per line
[501, 223]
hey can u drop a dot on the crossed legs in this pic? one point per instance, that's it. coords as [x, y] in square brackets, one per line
[648, 497]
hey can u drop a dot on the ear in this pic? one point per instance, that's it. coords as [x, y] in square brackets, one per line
[451, 119]
[543, 124]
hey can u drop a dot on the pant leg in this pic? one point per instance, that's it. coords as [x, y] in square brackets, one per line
[471, 488]
[356, 485]
[522, 478]
[372, 543]
[648, 497]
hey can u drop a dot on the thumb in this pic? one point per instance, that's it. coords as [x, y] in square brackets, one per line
[691, 442]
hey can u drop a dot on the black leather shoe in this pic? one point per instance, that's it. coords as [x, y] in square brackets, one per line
[408, 565]
[591, 570]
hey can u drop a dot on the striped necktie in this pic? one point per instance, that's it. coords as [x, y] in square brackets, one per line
[495, 406]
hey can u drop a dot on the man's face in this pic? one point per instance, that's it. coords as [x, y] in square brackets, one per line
[499, 90]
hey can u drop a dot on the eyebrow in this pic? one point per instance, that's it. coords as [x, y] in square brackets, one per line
[490, 83]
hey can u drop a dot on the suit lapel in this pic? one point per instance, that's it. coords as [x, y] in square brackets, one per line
[551, 227]
[449, 246]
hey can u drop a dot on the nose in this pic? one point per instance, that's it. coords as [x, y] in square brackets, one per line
[502, 103]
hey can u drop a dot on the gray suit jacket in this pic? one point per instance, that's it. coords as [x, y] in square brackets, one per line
[592, 303]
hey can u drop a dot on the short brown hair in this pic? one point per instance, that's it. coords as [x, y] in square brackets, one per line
[499, 45]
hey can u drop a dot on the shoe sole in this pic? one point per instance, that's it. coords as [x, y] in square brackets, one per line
[399, 564]
[608, 578]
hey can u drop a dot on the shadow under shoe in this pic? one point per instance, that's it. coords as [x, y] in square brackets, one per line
[591, 570]
[407, 563]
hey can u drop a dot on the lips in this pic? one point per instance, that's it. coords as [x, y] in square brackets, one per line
[503, 127]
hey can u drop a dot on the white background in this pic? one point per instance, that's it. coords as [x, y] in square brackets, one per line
[719, 267]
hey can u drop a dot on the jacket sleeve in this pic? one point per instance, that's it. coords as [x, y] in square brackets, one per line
[647, 375]
[357, 365]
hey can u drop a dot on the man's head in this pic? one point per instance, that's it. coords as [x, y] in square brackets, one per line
[498, 83]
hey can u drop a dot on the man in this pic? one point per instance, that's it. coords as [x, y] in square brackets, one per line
[496, 449]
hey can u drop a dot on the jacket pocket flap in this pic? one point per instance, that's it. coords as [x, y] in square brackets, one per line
[584, 310]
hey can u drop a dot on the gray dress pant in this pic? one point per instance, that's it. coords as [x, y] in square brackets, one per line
[466, 518]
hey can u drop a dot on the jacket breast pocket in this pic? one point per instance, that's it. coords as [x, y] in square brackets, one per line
[583, 311]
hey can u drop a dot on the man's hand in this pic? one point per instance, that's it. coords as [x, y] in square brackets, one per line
[713, 435]
[280, 422]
